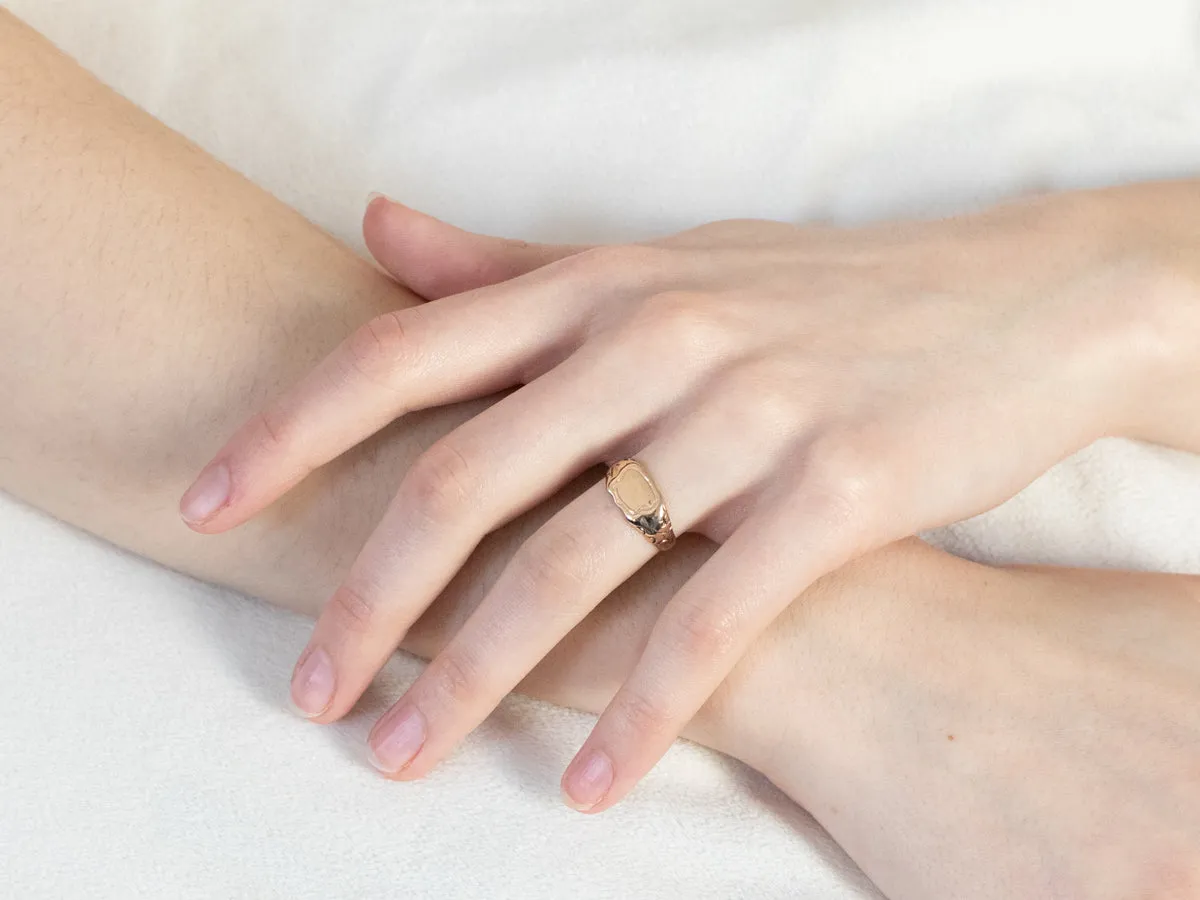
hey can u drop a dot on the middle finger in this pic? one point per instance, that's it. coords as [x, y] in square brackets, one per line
[557, 577]
[491, 469]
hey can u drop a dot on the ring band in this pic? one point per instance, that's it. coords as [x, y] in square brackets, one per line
[640, 501]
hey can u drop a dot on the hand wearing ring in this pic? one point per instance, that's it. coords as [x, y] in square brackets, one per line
[800, 395]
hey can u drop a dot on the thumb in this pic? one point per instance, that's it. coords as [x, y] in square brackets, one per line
[435, 259]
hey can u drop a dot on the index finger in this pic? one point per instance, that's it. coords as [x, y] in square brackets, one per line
[466, 346]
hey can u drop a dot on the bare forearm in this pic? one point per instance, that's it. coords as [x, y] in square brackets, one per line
[143, 306]
[151, 300]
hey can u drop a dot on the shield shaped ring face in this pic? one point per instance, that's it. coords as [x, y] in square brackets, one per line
[640, 501]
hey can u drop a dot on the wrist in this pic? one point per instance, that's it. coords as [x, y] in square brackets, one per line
[804, 707]
[783, 700]
[1146, 272]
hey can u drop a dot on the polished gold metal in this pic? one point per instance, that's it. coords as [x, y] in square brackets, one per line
[641, 502]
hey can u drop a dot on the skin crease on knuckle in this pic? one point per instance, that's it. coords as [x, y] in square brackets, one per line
[352, 611]
[441, 487]
[556, 564]
[704, 630]
[639, 716]
[452, 679]
[274, 430]
[385, 348]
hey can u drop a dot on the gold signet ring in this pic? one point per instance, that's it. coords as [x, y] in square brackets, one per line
[641, 502]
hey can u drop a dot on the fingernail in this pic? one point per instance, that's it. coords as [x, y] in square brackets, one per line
[588, 781]
[398, 741]
[313, 683]
[205, 498]
[375, 195]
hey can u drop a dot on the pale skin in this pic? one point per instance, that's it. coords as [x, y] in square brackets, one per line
[801, 395]
[151, 282]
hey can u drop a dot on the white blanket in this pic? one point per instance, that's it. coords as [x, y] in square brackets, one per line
[144, 748]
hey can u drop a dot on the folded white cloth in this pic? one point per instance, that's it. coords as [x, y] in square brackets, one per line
[144, 750]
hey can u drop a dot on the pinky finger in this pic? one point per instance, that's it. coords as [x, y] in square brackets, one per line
[703, 632]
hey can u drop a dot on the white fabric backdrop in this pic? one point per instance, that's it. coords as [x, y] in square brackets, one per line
[144, 751]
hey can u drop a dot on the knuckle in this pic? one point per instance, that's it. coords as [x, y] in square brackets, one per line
[644, 715]
[762, 399]
[555, 561]
[352, 609]
[686, 319]
[844, 479]
[441, 483]
[704, 630]
[454, 675]
[275, 429]
[381, 347]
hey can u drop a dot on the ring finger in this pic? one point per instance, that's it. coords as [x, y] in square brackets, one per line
[491, 469]
[562, 572]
